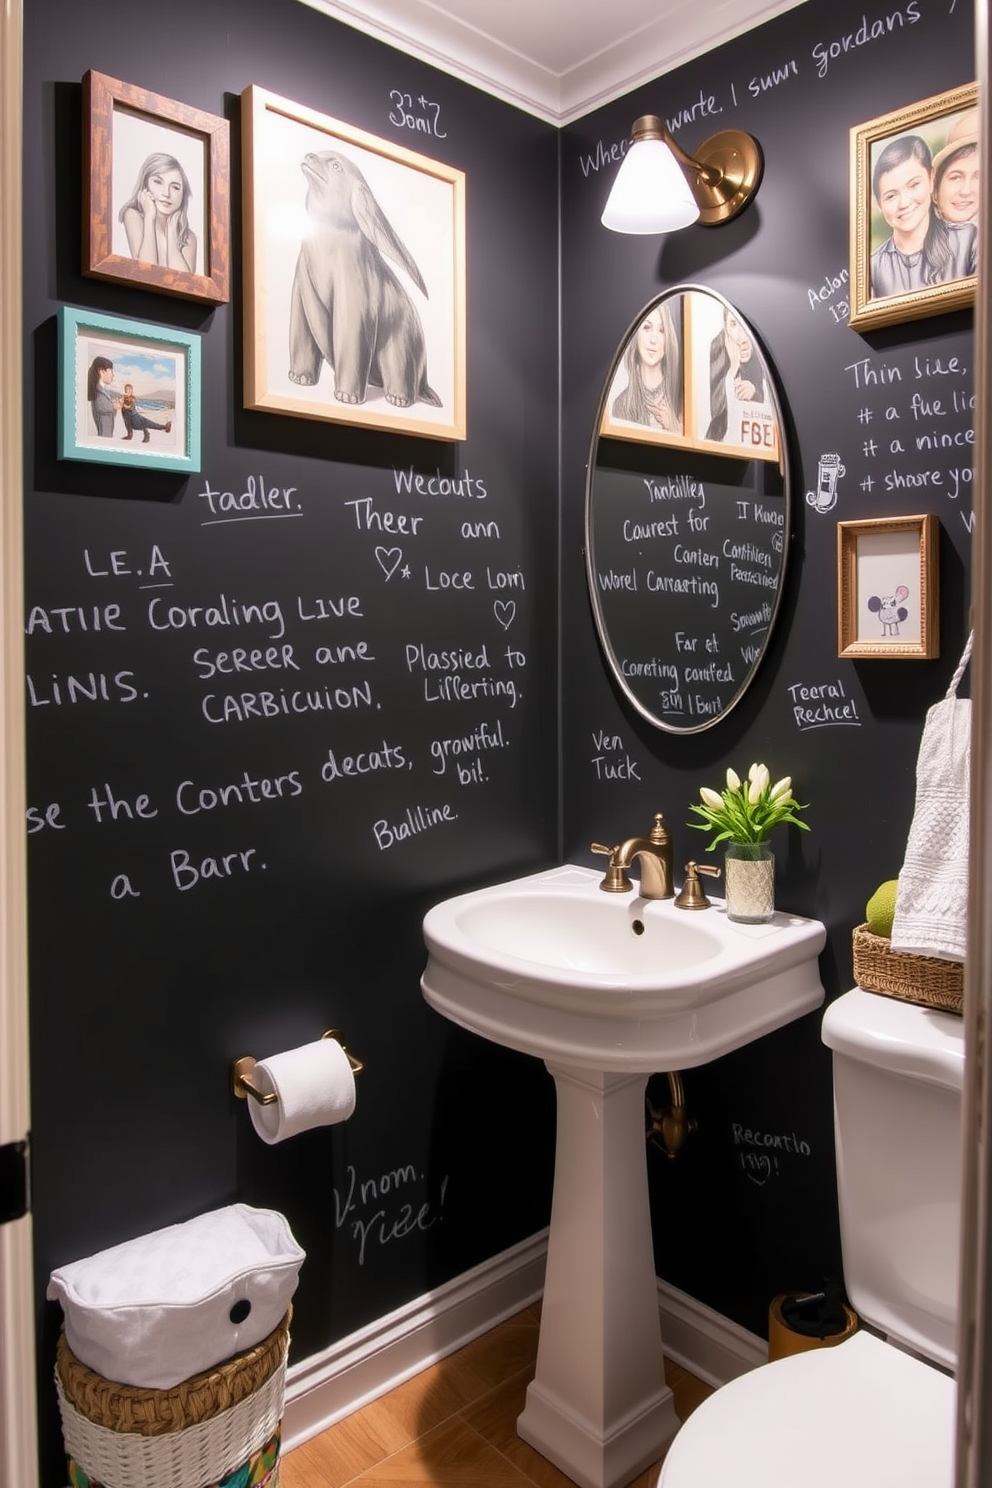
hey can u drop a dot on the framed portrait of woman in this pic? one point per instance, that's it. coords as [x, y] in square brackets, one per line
[156, 185]
[915, 181]
[645, 400]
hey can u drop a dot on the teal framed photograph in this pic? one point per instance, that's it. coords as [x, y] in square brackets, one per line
[129, 392]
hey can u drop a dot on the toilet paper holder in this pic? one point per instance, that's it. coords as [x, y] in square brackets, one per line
[241, 1069]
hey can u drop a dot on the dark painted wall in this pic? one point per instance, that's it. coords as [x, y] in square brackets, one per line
[749, 1209]
[139, 1003]
[142, 991]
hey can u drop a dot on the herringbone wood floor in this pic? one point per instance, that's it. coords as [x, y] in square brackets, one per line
[453, 1425]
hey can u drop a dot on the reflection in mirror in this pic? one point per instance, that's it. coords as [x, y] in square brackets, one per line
[687, 510]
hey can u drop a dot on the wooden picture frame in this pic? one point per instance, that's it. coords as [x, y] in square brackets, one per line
[887, 588]
[403, 252]
[130, 136]
[915, 177]
[161, 367]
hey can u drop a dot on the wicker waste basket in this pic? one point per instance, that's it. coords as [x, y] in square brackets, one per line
[221, 1427]
[926, 980]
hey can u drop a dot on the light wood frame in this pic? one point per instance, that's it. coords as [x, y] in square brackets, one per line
[903, 622]
[932, 120]
[403, 207]
[173, 128]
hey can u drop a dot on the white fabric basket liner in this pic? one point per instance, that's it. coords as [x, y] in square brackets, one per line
[195, 1457]
[156, 1310]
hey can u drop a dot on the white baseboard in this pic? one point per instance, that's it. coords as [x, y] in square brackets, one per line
[705, 1342]
[330, 1385]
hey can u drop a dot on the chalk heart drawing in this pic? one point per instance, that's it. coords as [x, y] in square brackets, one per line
[389, 560]
[758, 1178]
[505, 611]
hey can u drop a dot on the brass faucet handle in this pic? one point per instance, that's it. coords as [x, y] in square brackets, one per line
[617, 879]
[693, 895]
[659, 833]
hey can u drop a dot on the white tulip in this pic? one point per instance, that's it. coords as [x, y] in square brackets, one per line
[710, 797]
[754, 792]
[733, 780]
[761, 778]
[753, 772]
[781, 790]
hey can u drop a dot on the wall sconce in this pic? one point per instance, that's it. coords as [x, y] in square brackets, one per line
[659, 188]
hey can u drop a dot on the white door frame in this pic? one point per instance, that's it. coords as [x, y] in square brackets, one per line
[974, 1421]
[18, 1401]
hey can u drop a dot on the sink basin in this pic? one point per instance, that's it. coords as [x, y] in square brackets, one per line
[552, 966]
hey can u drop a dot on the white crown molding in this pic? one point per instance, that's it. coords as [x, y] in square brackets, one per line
[679, 33]
[437, 38]
[668, 42]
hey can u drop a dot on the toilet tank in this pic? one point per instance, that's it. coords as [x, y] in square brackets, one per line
[898, 1081]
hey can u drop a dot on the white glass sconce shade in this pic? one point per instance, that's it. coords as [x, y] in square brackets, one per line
[650, 193]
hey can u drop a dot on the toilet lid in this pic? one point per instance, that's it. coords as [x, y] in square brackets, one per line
[859, 1415]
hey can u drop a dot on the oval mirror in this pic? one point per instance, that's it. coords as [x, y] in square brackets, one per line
[687, 510]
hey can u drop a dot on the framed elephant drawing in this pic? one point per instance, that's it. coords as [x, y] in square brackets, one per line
[354, 275]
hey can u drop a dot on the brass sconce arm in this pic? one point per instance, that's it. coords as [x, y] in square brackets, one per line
[723, 175]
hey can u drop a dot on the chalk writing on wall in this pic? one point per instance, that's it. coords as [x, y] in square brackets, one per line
[385, 677]
[686, 575]
[377, 1211]
[765, 1155]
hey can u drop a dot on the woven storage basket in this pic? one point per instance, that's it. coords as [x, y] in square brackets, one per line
[927, 980]
[191, 1436]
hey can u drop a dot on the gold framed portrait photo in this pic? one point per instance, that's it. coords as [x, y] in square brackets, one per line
[915, 179]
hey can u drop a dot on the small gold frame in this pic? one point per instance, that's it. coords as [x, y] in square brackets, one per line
[887, 588]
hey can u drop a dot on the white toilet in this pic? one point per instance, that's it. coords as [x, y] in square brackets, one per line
[878, 1410]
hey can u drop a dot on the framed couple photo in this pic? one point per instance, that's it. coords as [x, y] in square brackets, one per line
[690, 374]
[129, 392]
[915, 178]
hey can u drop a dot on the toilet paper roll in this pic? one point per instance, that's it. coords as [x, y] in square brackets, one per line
[315, 1086]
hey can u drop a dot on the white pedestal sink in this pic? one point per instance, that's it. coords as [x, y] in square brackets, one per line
[607, 989]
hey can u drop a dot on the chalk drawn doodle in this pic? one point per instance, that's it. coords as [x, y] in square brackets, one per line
[389, 560]
[829, 472]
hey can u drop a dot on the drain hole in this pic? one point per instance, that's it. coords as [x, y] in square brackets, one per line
[637, 926]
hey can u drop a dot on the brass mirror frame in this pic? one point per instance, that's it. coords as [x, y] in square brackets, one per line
[693, 447]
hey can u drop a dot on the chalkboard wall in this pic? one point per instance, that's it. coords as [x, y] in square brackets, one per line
[229, 855]
[748, 1209]
[202, 889]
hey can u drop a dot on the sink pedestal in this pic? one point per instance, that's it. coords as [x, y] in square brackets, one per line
[598, 1406]
[606, 988]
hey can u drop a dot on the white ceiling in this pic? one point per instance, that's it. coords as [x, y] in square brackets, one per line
[557, 59]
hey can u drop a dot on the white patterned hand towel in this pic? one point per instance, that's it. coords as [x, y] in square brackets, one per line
[932, 897]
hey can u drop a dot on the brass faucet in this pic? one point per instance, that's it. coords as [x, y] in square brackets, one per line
[655, 853]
